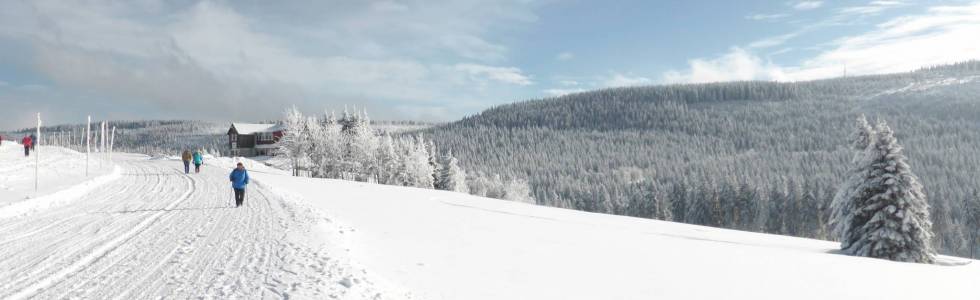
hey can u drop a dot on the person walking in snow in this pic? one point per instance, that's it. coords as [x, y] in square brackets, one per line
[33, 141]
[28, 144]
[186, 157]
[198, 161]
[239, 179]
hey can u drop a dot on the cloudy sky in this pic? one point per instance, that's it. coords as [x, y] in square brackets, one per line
[432, 59]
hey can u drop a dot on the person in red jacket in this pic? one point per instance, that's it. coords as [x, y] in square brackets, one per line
[27, 145]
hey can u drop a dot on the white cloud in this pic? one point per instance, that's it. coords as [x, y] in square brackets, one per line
[941, 35]
[509, 75]
[738, 64]
[619, 80]
[807, 5]
[216, 54]
[872, 8]
[564, 56]
[562, 92]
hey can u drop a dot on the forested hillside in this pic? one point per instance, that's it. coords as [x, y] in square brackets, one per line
[148, 137]
[758, 156]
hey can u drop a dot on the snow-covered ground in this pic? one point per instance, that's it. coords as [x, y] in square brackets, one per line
[154, 232]
[443, 245]
[61, 170]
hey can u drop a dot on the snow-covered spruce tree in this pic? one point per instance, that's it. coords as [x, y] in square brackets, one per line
[388, 161]
[971, 212]
[860, 139]
[435, 164]
[327, 160]
[775, 211]
[451, 176]
[700, 205]
[358, 144]
[889, 216]
[746, 208]
[293, 145]
[416, 169]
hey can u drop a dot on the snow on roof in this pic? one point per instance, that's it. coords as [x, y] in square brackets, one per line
[249, 128]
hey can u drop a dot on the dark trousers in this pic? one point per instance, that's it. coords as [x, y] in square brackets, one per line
[239, 197]
[197, 168]
[187, 167]
[27, 150]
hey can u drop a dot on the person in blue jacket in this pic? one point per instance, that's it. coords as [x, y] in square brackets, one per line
[198, 161]
[239, 179]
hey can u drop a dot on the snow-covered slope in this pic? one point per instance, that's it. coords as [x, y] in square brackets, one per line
[443, 245]
[154, 232]
[61, 175]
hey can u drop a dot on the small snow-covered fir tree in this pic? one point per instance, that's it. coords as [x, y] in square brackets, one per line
[889, 215]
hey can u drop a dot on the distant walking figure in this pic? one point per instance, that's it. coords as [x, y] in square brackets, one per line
[186, 157]
[33, 141]
[239, 179]
[198, 161]
[28, 145]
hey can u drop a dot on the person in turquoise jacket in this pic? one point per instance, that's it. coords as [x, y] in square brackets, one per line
[239, 179]
[198, 161]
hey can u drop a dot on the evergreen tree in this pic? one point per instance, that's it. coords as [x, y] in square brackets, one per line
[860, 139]
[452, 178]
[746, 208]
[889, 216]
[775, 211]
[971, 212]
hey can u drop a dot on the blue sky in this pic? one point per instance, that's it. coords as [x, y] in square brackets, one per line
[431, 59]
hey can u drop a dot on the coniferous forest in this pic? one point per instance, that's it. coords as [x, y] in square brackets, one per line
[759, 156]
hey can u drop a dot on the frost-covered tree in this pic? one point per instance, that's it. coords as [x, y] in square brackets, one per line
[294, 143]
[417, 171]
[700, 206]
[775, 211]
[388, 162]
[889, 216]
[518, 190]
[451, 176]
[746, 207]
[860, 139]
[971, 212]
[359, 145]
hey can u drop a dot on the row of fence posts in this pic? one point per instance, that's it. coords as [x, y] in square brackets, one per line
[106, 136]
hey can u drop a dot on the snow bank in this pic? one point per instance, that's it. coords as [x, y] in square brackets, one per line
[444, 245]
[59, 198]
[60, 169]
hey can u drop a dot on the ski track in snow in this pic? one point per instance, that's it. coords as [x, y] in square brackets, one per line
[157, 233]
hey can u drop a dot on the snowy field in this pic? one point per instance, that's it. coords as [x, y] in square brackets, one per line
[443, 245]
[61, 177]
[153, 232]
